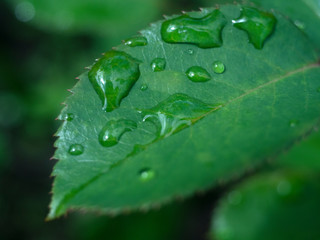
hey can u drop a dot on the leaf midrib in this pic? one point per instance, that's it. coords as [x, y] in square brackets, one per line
[309, 66]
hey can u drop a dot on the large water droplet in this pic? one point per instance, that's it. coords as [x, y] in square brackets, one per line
[113, 130]
[259, 25]
[198, 74]
[136, 41]
[218, 67]
[204, 32]
[113, 76]
[76, 149]
[158, 64]
[146, 174]
[176, 113]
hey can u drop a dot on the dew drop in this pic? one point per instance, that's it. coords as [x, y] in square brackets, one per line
[204, 32]
[113, 131]
[257, 24]
[25, 11]
[144, 87]
[158, 64]
[136, 41]
[113, 76]
[198, 74]
[299, 25]
[190, 52]
[176, 113]
[76, 149]
[218, 67]
[293, 123]
[146, 174]
[68, 117]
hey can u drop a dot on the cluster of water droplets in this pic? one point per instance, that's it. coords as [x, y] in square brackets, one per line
[113, 76]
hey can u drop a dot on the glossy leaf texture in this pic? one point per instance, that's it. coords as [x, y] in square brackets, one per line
[189, 135]
[280, 205]
[106, 18]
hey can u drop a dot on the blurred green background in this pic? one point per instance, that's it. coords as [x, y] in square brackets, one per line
[43, 47]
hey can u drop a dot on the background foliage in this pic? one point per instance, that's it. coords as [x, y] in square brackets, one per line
[41, 52]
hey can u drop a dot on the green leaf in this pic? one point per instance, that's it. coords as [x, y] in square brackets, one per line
[282, 205]
[189, 135]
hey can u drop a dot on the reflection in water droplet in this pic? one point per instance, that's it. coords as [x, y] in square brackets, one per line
[234, 198]
[76, 149]
[136, 41]
[218, 67]
[158, 64]
[293, 123]
[284, 188]
[113, 130]
[176, 113]
[259, 25]
[204, 32]
[113, 76]
[144, 87]
[198, 74]
[146, 174]
[190, 51]
[25, 11]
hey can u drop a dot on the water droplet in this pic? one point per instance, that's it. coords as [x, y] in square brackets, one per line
[284, 188]
[190, 51]
[176, 113]
[204, 32]
[146, 174]
[113, 130]
[259, 25]
[234, 198]
[293, 123]
[198, 74]
[218, 67]
[299, 24]
[25, 11]
[113, 76]
[68, 117]
[76, 149]
[144, 87]
[158, 64]
[136, 41]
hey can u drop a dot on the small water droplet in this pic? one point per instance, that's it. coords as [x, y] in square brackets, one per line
[158, 64]
[25, 11]
[176, 113]
[76, 149]
[293, 123]
[257, 24]
[190, 51]
[299, 24]
[68, 117]
[218, 67]
[234, 198]
[136, 41]
[204, 32]
[284, 188]
[198, 74]
[146, 174]
[113, 130]
[144, 87]
[113, 76]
